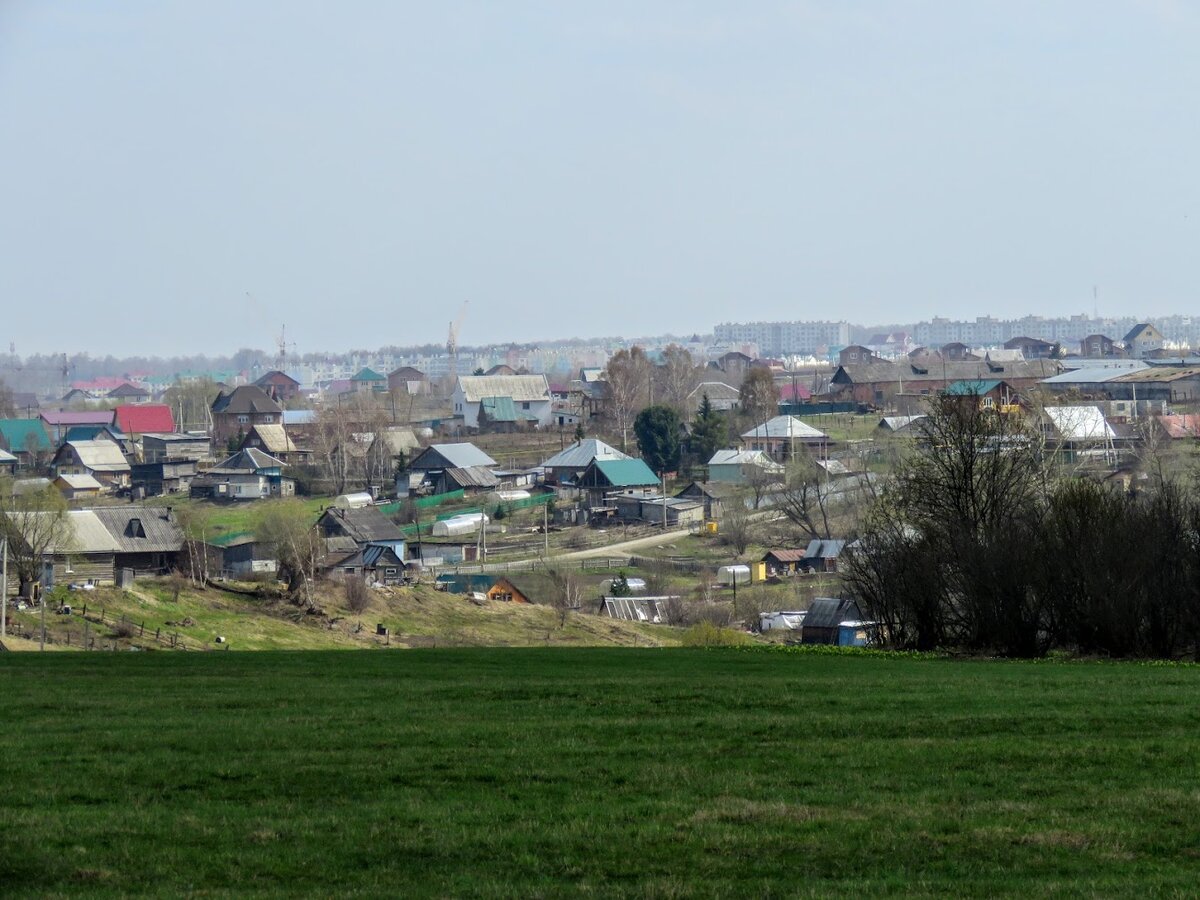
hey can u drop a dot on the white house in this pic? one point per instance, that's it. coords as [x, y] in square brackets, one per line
[506, 398]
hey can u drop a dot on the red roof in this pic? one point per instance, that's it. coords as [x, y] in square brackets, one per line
[145, 418]
[787, 395]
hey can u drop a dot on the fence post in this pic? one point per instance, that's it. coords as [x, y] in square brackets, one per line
[157, 632]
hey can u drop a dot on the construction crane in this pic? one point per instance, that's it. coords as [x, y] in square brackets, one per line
[452, 341]
[281, 346]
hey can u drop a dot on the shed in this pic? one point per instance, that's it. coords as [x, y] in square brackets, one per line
[824, 617]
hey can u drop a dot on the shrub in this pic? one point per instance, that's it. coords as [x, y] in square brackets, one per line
[358, 596]
[705, 634]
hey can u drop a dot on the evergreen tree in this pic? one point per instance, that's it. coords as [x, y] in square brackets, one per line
[709, 431]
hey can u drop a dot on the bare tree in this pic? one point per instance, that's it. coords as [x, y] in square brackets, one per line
[36, 525]
[803, 497]
[566, 593]
[627, 376]
[194, 523]
[288, 528]
[758, 396]
[677, 377]
[736, 524]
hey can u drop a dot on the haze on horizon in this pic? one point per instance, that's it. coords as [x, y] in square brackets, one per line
[185, 177]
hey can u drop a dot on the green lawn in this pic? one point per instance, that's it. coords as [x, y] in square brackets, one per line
[616, 772]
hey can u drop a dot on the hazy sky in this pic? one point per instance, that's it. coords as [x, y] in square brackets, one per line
[360, 169]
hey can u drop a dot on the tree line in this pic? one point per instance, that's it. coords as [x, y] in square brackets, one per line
[976, 545]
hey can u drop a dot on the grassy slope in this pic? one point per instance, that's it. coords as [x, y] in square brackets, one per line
[416, 617]
[535, 772]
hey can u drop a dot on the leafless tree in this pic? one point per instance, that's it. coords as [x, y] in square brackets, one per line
[358, 596]
[566, 593]
[288, 528]
[758, 396]
[803, 496]
[627, 376]
[677, 376]
[736, 524]
[36, 525]
[194, 523]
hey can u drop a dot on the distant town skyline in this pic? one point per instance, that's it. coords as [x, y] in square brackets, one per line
[183, 178]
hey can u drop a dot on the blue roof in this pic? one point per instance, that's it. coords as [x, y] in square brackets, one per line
[975, 386]
[17, 433]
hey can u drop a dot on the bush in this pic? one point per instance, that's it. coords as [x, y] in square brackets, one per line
[705, 634]
[358, 595]
[123, 629]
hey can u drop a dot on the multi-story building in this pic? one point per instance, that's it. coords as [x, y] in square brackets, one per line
[782, 338]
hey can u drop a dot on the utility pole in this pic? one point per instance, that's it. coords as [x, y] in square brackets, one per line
[546, 529]
[663, 476]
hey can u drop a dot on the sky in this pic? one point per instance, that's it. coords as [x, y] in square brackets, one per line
[187, 177]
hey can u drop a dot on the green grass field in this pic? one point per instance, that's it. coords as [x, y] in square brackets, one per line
[615, 772]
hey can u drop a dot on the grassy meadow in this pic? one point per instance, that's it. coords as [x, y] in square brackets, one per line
[613, 771]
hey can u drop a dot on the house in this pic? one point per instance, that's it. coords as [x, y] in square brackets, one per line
[448, 467]
[391, 445]
[821, 555]
[101, 459]
[824, 617]
[275, 440]
[234, 413]
[8, 463]
[1142, 340]
[82, 552]
[158, 448]
[529, 395]
[712, 495]
[166, 476]
[368, 381]
[247, 475]
[78, 487]
[990, 393]
[501, 369]
[607, 476]
[246, 556]
[58, 422]
[734, 364]
[494, 587]
[956, 351]
[26, 439]
[721, 396]
[673, 512]
[568, 464]
[407, 381]
[365, 525]
[146, 418]
[1099, 346]
[128, 393]
[375, 563]
[281, 386]
[856, 354]
[882, 382]
[148, 539]
[780, 437]
[743, 466]
[25, 404]
[784, 561]
[1031, 348]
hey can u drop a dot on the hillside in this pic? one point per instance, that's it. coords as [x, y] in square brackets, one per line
[416, 617]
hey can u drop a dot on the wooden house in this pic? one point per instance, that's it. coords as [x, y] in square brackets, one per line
[824, 617]
[281, 386]
[102, 459]
[233, 414]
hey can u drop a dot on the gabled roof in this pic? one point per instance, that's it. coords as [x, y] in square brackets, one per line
[580, 455]
[408, 373]
[829, 612]
[245, 400]
[365, 524]
[1080, 423]
[785, 427]
[126, 389]
[445, 456]
[823, 549]
[1143, 329]
[275, 377]
[92, 432]
[97, 456]
[275, 439]
[366, 374]
[898, 423]
[521, 388]
[470, 477]
[499, 409]
[6, 458]
[87, 534]
[144, 417]
[623, 472]
[249, 460]
[141, 529]
[16, 434]
[785, 555]
[397, 439]
[744, 458]
[80, 482]
[716, 390]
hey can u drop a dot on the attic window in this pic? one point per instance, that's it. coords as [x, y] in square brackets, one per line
[135, 529]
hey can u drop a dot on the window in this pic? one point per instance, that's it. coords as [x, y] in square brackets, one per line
[988, 402]
[525, 405]
[243, 420]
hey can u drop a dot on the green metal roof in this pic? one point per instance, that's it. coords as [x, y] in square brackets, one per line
[499, 409]
[977, 387]
[368, 375]
[626, 472]
[16, 434]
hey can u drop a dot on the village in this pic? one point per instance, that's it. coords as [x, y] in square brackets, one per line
[650, 490]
